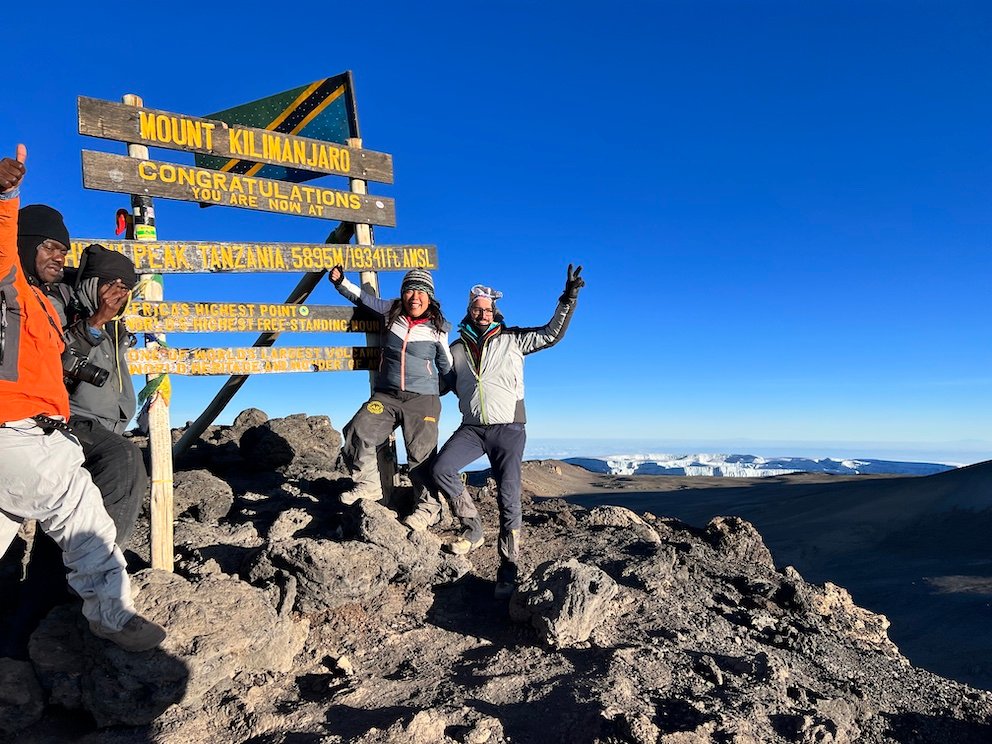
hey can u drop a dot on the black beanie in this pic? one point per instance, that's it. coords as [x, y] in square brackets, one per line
[106, 264]
[37, 223]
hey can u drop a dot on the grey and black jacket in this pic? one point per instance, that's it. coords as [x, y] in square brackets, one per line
[413, 356]
[113, 404]
[490, 383]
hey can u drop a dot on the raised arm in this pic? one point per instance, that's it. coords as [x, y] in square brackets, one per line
[11, 172]
[354, 293]
[535, 339]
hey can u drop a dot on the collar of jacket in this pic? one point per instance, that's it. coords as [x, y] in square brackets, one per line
[469, 333]
[416, 321]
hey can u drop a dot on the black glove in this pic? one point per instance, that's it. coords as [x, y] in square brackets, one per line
[330, 275]
[573, 283]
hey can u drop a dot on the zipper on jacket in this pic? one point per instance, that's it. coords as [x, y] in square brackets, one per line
[478, 380]
[3, 323]
[403, 357]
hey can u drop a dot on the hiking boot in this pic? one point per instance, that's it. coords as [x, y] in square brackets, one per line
[362, 490]
[137, 634]
[506, 580]
[470, 539]
[421, 519]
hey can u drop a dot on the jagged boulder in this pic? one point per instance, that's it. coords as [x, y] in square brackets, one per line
[834, 605]
[418, 555]
[219, 628]
[326, 574]
[618, 516]
[212, 548]
[433, 726]
[201, 496]
[564, 601]
[294, 445]
[288, 523]
[247, 419]
[21, 699]
[739, 540]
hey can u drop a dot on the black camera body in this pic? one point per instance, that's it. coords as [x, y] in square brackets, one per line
[76, 368]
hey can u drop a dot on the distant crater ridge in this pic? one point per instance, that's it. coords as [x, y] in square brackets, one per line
[748, 466]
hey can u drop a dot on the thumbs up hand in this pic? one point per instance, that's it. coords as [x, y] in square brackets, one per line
[12, 170]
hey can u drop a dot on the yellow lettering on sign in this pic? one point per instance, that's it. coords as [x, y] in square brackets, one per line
[235, 136]
[175, 130]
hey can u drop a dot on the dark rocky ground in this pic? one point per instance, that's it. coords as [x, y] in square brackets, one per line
[293, 619]
[915, 549]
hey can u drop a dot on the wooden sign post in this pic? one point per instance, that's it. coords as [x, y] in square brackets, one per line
[369, 279]
[159, 430]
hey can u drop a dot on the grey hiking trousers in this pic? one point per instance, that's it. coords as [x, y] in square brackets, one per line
[42, 478]
[504, 445]
[369, 428]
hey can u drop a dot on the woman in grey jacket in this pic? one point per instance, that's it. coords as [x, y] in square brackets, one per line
[488, 360]
[414, 355]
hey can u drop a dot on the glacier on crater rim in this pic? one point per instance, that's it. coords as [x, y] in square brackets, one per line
[747, 466]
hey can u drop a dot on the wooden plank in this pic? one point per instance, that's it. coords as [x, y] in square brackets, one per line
[251, 360]
[172, 131]
[125, 175]
[235, 317]
[194, 256]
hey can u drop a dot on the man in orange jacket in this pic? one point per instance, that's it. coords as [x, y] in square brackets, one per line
[41, 473]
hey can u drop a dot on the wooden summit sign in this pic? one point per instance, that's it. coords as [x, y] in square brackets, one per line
[259, 155]
[128, 175]
[251, 360]
[234, 317]
[156, 128]
[193, 256]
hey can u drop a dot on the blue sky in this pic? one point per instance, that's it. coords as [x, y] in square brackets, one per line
[783, 209]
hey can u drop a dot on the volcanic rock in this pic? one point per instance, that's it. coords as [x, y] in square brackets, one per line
[296, 445]
[201, 496]
[21, 699]
[564, 601]
[219, 628]
[297, 619]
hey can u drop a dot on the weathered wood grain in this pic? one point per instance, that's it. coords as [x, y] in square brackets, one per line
[124, 175]
[198, 256]
[235, 317]
[251, 360]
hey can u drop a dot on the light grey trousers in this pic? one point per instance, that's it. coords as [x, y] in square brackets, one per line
[42, 478]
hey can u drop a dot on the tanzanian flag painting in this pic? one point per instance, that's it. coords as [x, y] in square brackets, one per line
[323, 110]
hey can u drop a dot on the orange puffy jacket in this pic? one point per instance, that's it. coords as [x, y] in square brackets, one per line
[31, 351]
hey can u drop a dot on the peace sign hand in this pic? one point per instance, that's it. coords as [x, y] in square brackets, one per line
[573, 283]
